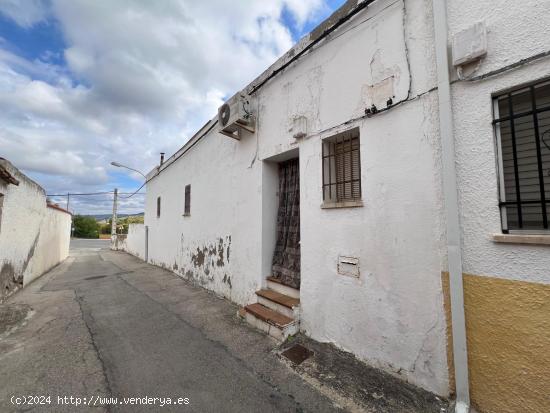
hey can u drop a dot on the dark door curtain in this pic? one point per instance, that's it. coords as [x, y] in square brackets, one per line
[286, 258]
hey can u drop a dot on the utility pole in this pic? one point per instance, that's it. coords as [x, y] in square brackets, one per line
[68, 199]
[113, 222]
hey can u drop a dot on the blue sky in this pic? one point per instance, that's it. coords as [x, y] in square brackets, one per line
[86, 82]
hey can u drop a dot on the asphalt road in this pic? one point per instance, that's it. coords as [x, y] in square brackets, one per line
[104, 324]
[81, 243]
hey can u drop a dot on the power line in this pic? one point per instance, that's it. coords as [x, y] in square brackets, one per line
[99, 193]
[134, 193]
[91, 193]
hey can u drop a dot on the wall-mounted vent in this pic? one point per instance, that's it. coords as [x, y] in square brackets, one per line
[235, 116]
[348, 266]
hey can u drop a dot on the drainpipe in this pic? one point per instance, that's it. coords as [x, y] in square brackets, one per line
[454, 252]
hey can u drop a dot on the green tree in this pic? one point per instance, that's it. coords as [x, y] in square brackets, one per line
[85, 227]
[105, 228]
[124, 223]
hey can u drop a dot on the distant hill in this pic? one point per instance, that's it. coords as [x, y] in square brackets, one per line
[104, 217]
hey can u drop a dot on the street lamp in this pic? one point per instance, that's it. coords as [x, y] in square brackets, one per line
[119, 165]
[114, 237]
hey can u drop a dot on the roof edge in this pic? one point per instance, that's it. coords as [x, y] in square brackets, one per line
[339, 16]
[58, 208]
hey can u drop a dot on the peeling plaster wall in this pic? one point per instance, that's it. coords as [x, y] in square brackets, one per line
[393, 315]
[504, 332]
[218, 245]
[33, 237]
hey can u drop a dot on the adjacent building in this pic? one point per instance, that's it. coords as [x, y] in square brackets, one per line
[321, 197]
[34, 234]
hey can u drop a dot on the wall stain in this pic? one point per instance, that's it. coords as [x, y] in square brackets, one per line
[220, 262]
[10, 279]
[227, 280]
[9, 283]
[212, 254]
[198, 258]
[228, 246]
[205, 264]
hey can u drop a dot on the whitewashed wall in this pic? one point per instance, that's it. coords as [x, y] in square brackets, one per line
[392, 316]
[53, 243]
[33, 237]
[218, 244]
[134, 243]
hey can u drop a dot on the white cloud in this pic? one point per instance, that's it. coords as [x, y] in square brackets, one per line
[141, 77]
[25, 13]
[304, 10]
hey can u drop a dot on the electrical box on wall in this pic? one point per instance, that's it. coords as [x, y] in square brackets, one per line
[470, 44]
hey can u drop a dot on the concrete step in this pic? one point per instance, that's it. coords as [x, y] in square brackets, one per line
[276, 285]
[284, 304]
[269, 321]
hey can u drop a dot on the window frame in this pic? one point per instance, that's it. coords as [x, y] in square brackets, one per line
[187, 201]
[158, 206]
[330, 157]
[533, 114]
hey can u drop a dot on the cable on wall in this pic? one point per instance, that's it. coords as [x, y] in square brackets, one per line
[507, 68]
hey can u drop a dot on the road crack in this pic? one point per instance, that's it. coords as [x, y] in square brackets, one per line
[84, 316]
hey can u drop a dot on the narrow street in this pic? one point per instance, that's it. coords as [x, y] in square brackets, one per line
[104, 324]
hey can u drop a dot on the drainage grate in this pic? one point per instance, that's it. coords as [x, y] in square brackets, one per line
[297, 353]
[95, 277]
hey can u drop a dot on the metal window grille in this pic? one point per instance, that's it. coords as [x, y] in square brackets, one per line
[522, 126]
[158, 207]
[187, 208]
[342, 167]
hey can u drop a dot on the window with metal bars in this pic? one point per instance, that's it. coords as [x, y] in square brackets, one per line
[342, 167]
[158, 207]
[187, 207]
[522, 127]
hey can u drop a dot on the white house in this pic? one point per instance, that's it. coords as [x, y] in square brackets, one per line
[336, 192]
[34, 234]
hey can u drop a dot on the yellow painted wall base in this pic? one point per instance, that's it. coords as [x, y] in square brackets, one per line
[508, 334]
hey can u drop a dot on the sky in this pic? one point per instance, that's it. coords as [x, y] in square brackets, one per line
[87, 82]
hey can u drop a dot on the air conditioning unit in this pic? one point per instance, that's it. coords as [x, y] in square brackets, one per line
[235, 116]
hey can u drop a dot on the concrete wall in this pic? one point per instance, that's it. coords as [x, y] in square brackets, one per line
[134, 242]
[53, 243]
[392, 316]
[507, 288]
[33, 237]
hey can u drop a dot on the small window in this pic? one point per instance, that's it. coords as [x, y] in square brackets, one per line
[342, 168]
[522, 128]
[187, 208]
[158, 207]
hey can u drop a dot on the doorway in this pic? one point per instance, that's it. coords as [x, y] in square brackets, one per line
[286, 257]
